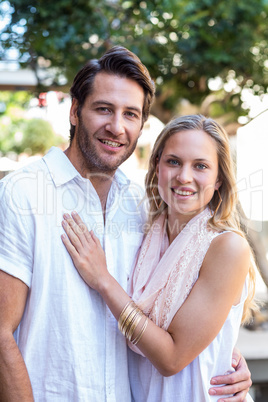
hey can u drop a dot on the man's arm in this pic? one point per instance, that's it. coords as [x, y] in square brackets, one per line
[14, 379]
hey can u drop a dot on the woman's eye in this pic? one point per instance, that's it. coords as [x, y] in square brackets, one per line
[173, 162]
[201, 166]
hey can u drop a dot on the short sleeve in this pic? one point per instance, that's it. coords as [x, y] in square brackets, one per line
[16, 232]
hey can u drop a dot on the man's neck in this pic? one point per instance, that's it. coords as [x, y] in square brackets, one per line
[102, 187]
[101, 181]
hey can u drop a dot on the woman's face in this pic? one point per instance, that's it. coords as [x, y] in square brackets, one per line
[188, 173]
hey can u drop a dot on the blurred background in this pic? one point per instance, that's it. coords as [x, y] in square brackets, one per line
[205, 56]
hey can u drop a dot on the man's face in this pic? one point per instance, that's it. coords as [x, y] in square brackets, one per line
[109, 124]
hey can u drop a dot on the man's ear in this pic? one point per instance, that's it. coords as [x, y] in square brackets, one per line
[73, 112]
[141, 132]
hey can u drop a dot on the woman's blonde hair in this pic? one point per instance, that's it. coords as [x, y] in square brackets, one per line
[224, 202]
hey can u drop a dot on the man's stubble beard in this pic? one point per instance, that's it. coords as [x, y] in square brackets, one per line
[91, 159]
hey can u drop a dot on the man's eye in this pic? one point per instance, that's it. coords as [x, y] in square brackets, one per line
[131, 114]
[103, 109]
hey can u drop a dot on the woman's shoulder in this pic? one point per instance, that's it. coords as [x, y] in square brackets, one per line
[231, 240]
[230, 248]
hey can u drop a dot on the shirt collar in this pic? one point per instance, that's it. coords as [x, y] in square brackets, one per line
[62, 170]
[120, 178]
[59, 166]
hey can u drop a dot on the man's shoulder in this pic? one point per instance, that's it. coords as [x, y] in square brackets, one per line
[32, 172]
[25, 171]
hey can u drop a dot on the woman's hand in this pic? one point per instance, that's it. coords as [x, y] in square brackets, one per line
[85, 250]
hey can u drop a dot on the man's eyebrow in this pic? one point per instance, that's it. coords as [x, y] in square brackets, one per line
[137, 109]
[104, 102]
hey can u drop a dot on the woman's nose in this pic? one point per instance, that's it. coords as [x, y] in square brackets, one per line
[185, 175]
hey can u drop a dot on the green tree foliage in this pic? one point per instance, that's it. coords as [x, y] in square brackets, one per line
[18, 134]
[12, 118]
[38, 137]
[34, 136]
[184, 43]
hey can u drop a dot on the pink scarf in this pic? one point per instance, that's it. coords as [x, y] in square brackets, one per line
[165, 274]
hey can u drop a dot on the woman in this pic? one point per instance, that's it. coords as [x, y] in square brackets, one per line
[193, 280]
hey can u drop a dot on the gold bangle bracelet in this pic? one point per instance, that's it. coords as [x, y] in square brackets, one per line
[138, 338]
[126, 306]
[128, 320]
[134, 325]
[128, 327]
[125, 313]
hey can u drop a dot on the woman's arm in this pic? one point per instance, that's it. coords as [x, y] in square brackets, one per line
[218, 287]
[170, 351]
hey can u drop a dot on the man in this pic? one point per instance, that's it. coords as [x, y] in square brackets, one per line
[66, 346]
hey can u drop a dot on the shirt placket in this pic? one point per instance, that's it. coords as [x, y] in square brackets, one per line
[110, 356]
[109, 337]
[111, 324]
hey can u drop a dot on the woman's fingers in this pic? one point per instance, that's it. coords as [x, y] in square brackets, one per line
[76, 230]
[70, 247]
[81, 227]
[72, 235]
[95, 238]
[85, 250]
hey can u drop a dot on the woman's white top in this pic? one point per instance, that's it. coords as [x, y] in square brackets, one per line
[193, 382]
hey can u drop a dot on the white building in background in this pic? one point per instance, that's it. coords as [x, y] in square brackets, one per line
[252, 178]
[54, 110]
[16, 80]
[252, 167]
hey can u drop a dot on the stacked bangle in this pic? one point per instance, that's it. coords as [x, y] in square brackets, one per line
[129, 307]
[137, 339]
[129, 320]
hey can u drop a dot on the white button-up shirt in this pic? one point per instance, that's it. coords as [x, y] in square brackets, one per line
[68, 337]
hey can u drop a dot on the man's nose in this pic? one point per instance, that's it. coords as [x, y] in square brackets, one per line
[116, 124]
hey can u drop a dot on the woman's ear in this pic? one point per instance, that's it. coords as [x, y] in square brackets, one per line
[157, 167]
[218, 184]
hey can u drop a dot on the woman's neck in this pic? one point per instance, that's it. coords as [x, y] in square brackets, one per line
[177, 222]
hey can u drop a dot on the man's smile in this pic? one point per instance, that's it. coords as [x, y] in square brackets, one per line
[111, 143]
